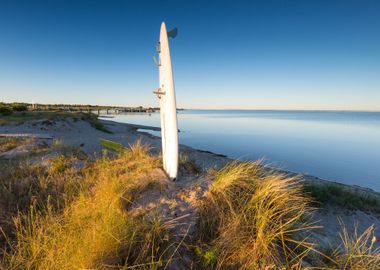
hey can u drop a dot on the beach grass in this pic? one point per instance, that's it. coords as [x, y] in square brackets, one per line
[357, 251]
[81, 220]
[20, 117]
[188, 164]
[58, 216]
[7, 144]
[252, 218]
[24, 116]
[336, 194]
[94, 122]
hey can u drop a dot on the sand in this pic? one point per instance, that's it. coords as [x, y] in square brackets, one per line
[179, 201]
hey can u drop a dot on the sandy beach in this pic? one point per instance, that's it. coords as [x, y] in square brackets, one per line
[80, 134]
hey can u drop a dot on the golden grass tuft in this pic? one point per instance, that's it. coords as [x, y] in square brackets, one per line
[23, 184]
[251, 217]
[7, 144]
[95, 230]
[357, 251]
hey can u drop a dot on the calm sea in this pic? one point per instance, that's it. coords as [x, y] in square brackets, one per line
[340, 146]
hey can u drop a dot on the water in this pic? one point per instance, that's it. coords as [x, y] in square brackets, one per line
[340, 146]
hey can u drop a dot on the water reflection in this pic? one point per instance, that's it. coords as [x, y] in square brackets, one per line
[341, 146]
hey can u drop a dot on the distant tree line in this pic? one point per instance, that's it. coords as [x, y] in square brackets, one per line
[9, 108]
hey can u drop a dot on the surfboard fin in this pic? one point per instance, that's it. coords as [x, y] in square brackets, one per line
[158, 63]
[173, 33]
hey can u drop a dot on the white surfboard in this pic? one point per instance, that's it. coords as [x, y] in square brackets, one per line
[168, 108]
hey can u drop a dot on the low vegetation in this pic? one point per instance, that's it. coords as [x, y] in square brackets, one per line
[337, 194]
[19, 107]
[251, 219]
[19, 116]
[9, 143]
[61, 216]
[8, 109]
[94, 121]
[24, 187]
[5, 110]
[188, 165]
[357, 251]
[81, 220]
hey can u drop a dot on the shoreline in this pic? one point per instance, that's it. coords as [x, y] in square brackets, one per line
[126, 133]
[307, 177]
[355, 206]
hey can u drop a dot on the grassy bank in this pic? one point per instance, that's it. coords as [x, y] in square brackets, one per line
[61, 216]
[339, 195]
[73, 219]
[20, 117]
[25, 116]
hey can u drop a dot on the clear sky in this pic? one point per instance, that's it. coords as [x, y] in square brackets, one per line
[228, 54]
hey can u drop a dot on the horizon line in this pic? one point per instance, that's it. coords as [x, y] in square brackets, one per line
[207, 109]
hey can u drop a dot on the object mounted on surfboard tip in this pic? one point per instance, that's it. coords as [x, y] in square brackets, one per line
[168, 108]
[173, 33]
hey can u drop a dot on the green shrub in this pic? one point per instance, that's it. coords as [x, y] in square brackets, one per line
[336, 194]
[5, 110]
[19, 107]
[95, 122]
[208, 257]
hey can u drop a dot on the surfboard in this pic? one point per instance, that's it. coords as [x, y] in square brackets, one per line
[168, 108]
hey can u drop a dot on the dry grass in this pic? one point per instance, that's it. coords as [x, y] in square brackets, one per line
[94, 229]
[23, 184]
[356, 252]
[7, 144]
[252, 218]
[188, 165]
[65, 150]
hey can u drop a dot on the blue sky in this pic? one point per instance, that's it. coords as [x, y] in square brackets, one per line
[228, 54]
